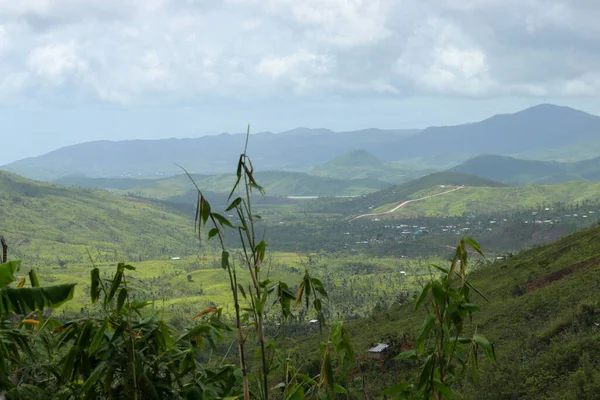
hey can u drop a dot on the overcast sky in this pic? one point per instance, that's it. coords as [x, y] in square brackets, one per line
[79, 70]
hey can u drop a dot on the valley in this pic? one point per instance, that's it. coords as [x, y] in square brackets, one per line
[369, 234]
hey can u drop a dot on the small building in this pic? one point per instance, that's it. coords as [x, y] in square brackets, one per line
[175, 258]
[313, 321]
[378, 352]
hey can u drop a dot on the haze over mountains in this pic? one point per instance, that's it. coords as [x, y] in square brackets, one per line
[514, 171]
[542, 132]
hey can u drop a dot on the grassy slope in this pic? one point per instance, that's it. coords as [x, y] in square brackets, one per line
[406, 191]
[480, 200]
[44, 221]
[361, 164]
[541, 336]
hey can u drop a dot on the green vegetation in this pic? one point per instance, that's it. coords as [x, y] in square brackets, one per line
[56, 225]
[361, 164]
[295, 324]
[276, 183]
[542, 317]
[486, 200]
[405, 191]
[515, 171]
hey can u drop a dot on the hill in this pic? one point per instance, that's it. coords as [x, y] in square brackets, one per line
[361, 164]
[542, 317]
[406, 191]
[298, 149]
[546, 132]
[275, 183]
[494, 200]
[537, 130]
[517, 171]
[49, 224]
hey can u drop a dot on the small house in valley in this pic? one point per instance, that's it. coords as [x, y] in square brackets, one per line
[378, 352]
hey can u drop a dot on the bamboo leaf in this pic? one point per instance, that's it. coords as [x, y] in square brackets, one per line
[236, 202]
[486, 346]
[7, 272]
[423, 295]
[33, 278]
[121, 299]
[95, 289]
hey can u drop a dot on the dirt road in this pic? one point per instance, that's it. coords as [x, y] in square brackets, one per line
[403, 203]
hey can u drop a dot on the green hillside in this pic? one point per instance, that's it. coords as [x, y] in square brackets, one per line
[542, 316]
[361, 164]
[516, 171]
[486, 200]
[406, 191]
[276, 183]
[49, 224]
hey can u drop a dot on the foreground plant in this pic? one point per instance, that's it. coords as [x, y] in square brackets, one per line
[445, 355]
[260, 292]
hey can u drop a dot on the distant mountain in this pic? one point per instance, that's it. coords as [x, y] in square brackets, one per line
[517, 171]
[361, 164]
[294, 150]
[542, 132]
[407, 191]
[536, 130]
[275, 183]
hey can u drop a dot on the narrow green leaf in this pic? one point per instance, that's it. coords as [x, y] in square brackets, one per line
[224, 259]
[95, 289]
[121, 299]
[474, 245]
[423, 295]
[98, 336]
[486, 346]
[33, 278]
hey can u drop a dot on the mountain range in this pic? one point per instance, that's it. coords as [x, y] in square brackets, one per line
[544, 132]
[514, 171]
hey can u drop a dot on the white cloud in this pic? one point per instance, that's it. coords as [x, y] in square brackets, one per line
[168, 51]
[54, 63]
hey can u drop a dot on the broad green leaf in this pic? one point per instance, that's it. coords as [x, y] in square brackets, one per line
[234, 204]
[7, 272]
[213, 232]
[24, 300]
[222, 220]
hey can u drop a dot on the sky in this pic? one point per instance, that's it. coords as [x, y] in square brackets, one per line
[78, 70]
